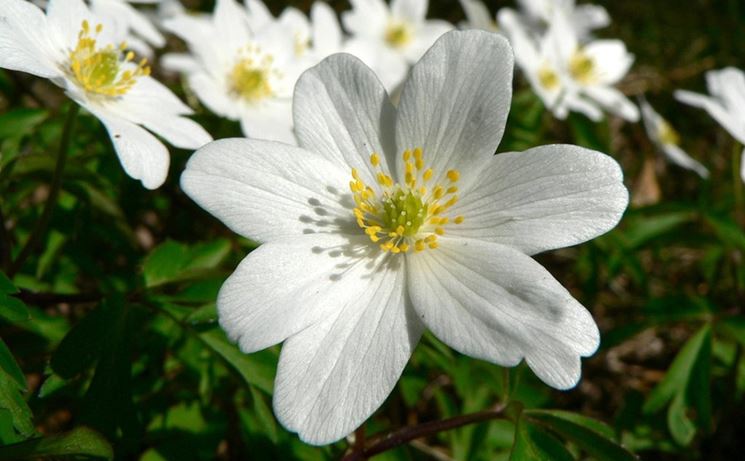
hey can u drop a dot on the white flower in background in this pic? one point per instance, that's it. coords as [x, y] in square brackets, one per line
[569, 75]
[142, 32]
[83, 55]
[237, 73]
[583, 18]
[388, 39]
[315, 38]
[386, 221]
[726, 103]
[667, 140]
[478, 16]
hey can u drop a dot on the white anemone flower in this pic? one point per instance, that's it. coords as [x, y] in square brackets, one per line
[315, 38]
[142, 32]
[389, 220]
[664, 136]
[583, 18]
[478, 16]
[83, 55]
[389, 38]
[238, 73]
[726, 103]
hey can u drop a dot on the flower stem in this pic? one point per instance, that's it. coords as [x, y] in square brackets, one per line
[737, 182]
[404, 435]
[5, 242]
[41, 225]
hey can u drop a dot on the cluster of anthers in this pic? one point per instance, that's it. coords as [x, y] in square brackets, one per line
[102, 71]
[252, 74]
[405, 217]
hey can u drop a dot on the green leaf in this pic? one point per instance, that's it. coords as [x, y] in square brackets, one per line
[649, 227]
[173, 261]
[680, 424]
[12, 309]
[17, 122]
[252, 368]
[79, 444]
[728, 231]
[10, 366]
[20, 417]
[591, 438]
[533, 443]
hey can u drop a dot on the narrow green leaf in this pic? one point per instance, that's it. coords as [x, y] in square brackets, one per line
[12, 309]
[17, 122]
[79, 444]
[533, 443]
[10, 366]
[589, 437]
[681, 427]
[253, 370]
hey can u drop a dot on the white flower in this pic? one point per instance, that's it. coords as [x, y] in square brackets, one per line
[390, 220]
[143, 33]
[569, 75]
[666, 139]
[583, 18]
[726, 104]
[478, 16]
[388, 39]
[315, 39]
[83, 55]
[237, 73]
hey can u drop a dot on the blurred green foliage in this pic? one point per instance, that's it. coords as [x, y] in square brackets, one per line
[109, 332]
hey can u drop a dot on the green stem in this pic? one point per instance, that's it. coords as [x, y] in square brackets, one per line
[737, 182]
[41, 225]
[5, 242]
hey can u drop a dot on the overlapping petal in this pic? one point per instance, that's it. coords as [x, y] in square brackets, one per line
[267, 190]
[455, 103]
[495, 303]
[544, 198]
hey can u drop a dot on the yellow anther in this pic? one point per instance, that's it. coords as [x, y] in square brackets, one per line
[404, 247]
[452, 189]
[458, 220]
[407, 155]
[427, 174]
[395, 250]
[439, 231]
[438, 192]
[400, 230]
[453, 175]
[374, 159]
[430, 239]
[433, 245]
[355, 174]
[419, 245]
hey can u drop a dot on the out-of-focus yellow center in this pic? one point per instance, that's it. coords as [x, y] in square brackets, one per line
[103, 71]
[409, 216]
[251, 76]
[398, 34]
[667, 133]
[582, 67]
[548, 78]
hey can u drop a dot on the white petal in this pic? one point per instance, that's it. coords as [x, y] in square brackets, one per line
[576, 103]
[287, 285]
[342, 112]
[213, 95]
[179, 62]
[589, 17]
[728, 120]
[541, 199]
[413, 11]
[729, 85]
[267, 190]
[367, 18]
[272, 120]
[142, 156]
[327, 35]
[390, 67]
[681, 158]
[425, 37]
[333, 375]
[24, 40]
[611, 60]
[455, 103]
[494, 303]
[614, 101]
[478, 15]
[232, 23]
[258, 14]
[66, 19]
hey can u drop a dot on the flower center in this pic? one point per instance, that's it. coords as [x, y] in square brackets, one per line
[408, 216]
[103, 71]
[667, 134]
[250, 78]
[548, 78]
[582, 67]
[398, 34]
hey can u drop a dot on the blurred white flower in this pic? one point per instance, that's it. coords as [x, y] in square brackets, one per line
[387, 221]
[569, 75]
[726, 103]
[86, 57]
[478, 16]
[538, 14]
[141, 32]
[388, 39]
[667, 140]
[238, 73]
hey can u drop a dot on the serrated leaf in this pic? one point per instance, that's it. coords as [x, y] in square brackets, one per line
[533, 443]
[586, 436]
[79, 444]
